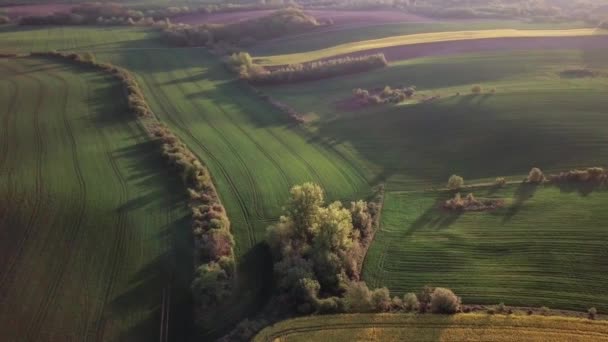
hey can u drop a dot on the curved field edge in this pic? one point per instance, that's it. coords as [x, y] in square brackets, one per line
[420, 38]
[100, 236]
[410, 327]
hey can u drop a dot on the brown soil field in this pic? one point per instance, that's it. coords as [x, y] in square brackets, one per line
[38, 9]
[403, 52]
[340, 18]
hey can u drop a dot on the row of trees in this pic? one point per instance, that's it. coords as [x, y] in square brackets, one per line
[279, 23]
[255, 74]
[214, 242]
[386, 95]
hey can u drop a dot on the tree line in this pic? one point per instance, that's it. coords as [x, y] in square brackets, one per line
[213, 241]
[243, 64]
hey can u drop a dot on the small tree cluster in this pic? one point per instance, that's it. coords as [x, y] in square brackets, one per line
[455, 182]
[314, 70]
[535, 176]
[500, 182]
[476, 89]
[387, 95]
[315, 247]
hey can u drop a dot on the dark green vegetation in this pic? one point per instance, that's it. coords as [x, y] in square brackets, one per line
[547, 246]
[95, 241]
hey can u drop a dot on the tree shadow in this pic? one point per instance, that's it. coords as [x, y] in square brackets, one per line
[255, 284]
[435, 217]
[523, 193]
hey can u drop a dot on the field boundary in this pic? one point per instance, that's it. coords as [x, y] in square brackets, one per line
[419, 38]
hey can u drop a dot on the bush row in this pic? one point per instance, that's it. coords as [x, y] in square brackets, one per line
[210, 225]
[386, 95]
[314, 70]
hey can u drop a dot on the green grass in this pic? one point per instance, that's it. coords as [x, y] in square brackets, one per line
[536, 118]
[82, 38]
[95, 238]
[546, 247]
[331, 37]
[419, 38]
[428, 328]
[253, 152]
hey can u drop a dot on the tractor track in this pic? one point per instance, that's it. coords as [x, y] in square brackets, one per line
[40, 152]
[183, 127]
[72, 232]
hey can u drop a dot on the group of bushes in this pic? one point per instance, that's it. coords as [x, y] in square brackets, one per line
[592, 174]
[4, 20]
[386, 95]
[279, 23]
[255, 74]
[210, 225]
[470, 203]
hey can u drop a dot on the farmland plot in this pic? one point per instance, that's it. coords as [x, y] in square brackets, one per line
[93, 233]
[464, 327]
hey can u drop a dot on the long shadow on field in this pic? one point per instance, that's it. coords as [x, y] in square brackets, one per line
[435, 217]
[255, 285]
[161, 288]
[429, 142]
[582, 188]
[524, 192]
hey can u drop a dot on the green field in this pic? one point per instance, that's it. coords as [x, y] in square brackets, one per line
[546, 247]
[420, 38]
[94, 241]
[98, 191]
[428, 328]
[327, 38]
[535, 118]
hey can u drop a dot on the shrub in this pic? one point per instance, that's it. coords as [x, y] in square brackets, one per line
[592, 313]
[476, 89]
[4, 20]
[500, 182]
[410, 302]
[501, 307]
[358, 297]
[444, 301]
[535, 176]
[544, 310]
[381, 299]
[455, 182]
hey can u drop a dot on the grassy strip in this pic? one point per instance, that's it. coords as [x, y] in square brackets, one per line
[477, 327]
[410, 39]
[210, 225]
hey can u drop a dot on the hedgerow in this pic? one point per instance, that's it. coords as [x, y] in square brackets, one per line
[214, 243]
[312, 71]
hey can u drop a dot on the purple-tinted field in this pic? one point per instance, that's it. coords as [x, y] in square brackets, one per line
[40, 9]
[338, 17]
